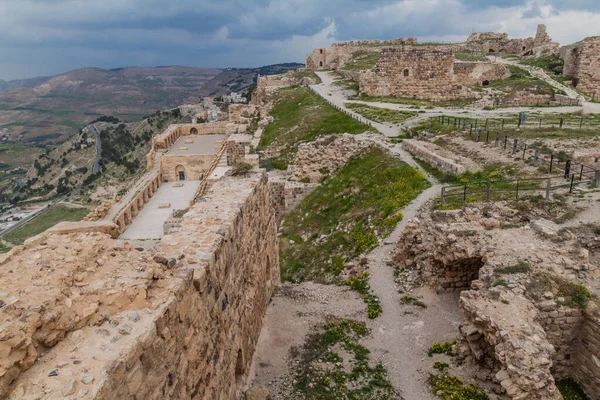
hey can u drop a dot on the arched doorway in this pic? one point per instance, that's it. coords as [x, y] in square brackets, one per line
[193, 131]
[406, 72]
[486, 83]
[320, 63]
[180, 173]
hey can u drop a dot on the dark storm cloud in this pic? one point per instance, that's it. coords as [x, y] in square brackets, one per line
[39, 37]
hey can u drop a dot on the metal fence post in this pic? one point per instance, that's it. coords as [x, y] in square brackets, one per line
[597, 178]
[581, 173]
[567, 168]
[443, 195]
[524, 150]
[572, 180]
[505, 141]
[517, 195]
[551, 161]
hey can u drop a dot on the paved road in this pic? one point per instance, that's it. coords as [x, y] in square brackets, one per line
[96, 167]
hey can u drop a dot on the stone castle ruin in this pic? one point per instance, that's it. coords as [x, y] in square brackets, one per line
[429, 71]
[426, 73]
[86, 315]
[582, 63]
[499, 44]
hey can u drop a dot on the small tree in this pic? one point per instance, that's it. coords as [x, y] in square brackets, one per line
[240, 168]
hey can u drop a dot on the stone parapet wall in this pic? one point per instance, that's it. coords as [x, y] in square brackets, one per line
[237, 148]
[115, 323]
[419, 72]
[418, 150]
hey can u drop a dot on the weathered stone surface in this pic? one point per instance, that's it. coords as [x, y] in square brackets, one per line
[70, 299]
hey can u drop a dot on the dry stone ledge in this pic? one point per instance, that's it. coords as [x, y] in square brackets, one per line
[86, 316]
[419, 150]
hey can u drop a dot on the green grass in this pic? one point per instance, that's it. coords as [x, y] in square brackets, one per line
[522, 80]
[4, 248]
[452, 388]
[346, 216]
[519, 268]
[552, 64]
[441, 348]
[382, 115]
[45, 220]
[13, 148]
[469, 56]
[333, 365]
[571, 390]
[305, 74]
[459, 103]
[362, 60]
[299, 116]
[360, 284]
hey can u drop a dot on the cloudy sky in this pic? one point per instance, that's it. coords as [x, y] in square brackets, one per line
[47, 37]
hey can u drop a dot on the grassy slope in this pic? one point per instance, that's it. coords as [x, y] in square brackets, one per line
[302, 116]
[362, 61]
[381, 114]
[352, 210]
[522, 80]
[45, 220]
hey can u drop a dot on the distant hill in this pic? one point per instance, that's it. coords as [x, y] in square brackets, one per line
[17, 83]
[50, 110]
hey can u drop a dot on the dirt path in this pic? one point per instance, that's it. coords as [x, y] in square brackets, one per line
[399, 337]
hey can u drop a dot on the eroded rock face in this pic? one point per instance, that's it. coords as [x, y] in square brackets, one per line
[522, 325]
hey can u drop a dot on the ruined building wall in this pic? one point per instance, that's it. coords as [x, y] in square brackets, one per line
[194, 166]
[89, 317]
[413, 72]
[499, 43]
[586, 66]
[477, 73]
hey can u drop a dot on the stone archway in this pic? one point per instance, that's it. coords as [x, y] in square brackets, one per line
[193, 131]
[180, 173]
[485, 83]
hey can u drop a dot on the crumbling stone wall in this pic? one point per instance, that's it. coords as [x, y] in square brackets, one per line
[242, 113]
[420, 72]
[582, 62]
[85, 316]
[479, 73]
[520, 332]
[586, 362]
[499, 43]
[266, 85]
[325, 155]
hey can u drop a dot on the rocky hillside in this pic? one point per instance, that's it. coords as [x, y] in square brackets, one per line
[56, 108]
